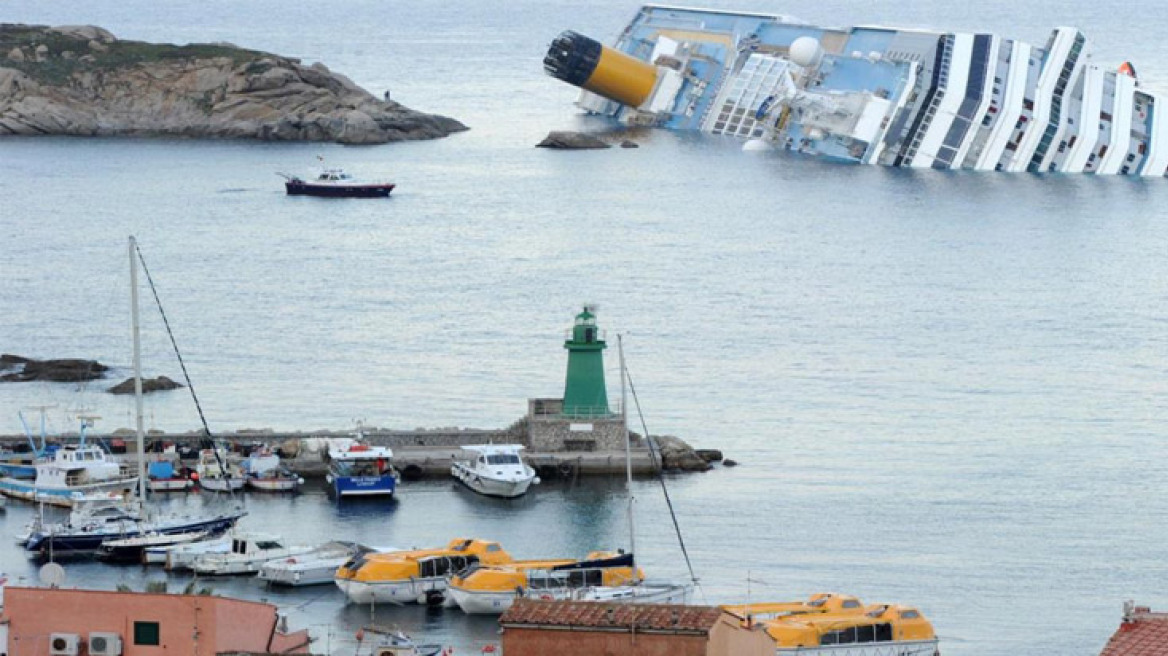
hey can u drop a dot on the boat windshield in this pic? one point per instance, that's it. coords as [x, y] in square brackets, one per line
[503, 459]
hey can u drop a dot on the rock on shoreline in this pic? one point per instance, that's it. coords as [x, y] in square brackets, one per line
[83, 81]
[69, 370]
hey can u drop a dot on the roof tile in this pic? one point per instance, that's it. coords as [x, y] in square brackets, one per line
[645, 617]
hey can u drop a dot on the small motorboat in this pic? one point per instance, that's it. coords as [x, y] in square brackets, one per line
[216, 474]
[245, 556]
[163, 477]
[132, 550]
[495, 470]
[316, 567]
[265, 472]
[182, 556]
[380, 641]
[335, 183]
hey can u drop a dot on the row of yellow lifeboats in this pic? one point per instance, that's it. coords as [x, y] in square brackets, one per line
[479, 576]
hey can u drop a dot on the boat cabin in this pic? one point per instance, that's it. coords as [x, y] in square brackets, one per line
[333, 175]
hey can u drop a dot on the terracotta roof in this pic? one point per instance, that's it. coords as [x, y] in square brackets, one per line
[589, 614]
[1142, 633]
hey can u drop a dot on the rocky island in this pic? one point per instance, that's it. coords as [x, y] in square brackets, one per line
[82, 81]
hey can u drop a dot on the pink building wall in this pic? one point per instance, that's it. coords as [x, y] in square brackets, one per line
[189, 625]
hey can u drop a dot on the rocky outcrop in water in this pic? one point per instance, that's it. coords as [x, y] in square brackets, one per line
[161, 383]
[564, 140]
[81, 80]
[68, 370]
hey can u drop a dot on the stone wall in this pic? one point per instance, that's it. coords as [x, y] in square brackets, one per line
[549, 431]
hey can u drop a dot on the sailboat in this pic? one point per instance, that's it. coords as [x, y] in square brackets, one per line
[120, 519]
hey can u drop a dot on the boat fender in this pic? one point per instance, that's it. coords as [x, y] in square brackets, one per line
[545, 597]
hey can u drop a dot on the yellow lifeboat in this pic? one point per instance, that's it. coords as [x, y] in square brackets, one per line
[828, 620]
[493, 589]
[417, 575]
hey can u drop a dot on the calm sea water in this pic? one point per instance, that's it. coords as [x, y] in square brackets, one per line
[946, 389]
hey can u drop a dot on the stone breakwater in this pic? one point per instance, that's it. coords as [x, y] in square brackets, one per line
[428, 452]
[83, 81]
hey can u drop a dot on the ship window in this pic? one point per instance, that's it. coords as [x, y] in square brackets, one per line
[491, 548]
[147, 633]
[909, 615]
[865, 633]
[883, 632]
[503, 459]
[851, 603]
[268, 544]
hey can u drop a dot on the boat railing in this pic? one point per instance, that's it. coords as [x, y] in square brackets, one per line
[890, 648]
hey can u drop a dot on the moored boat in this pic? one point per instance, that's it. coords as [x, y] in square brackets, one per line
[414, 576]
[163, 477]
[216, 474]
[486, 590]
[359, 470]
[132, 550]
[828, 623]
[245, 556]
[381, 641]
[69, 473]
[494, 470]
[264, 471]
[336, 183]
[315, 567]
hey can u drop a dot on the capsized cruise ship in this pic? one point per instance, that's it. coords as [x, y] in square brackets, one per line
[872, 95]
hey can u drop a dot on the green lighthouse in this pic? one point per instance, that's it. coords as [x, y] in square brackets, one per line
[584, 393]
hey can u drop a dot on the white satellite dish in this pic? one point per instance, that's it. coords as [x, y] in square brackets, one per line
[52, 575]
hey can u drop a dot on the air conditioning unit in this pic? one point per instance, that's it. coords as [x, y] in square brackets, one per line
[105, 644]
[64, 644]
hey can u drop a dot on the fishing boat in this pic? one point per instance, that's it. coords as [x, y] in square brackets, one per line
[381, 641]
[830, 623]
[315, 567]
[263, 471]
[16, 463]
[494, 470]
[132, 550]
[335, 183]
[413, 576]
[873, 94]
[71, 472]
[356, 469]
[163, 477]
[216, 474]
[246, 555]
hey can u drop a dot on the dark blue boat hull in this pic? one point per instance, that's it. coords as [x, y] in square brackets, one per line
[89, 542]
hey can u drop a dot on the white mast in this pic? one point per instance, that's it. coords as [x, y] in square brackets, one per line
[620, 347]
[137, 371]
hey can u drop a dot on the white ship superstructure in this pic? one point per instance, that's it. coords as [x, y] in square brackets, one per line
[872, 95]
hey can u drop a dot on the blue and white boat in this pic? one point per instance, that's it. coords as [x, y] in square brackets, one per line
[358, 470]
[70, 473]
[96, 520]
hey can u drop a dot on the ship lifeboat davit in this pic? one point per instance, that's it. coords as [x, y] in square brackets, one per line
[586, 63]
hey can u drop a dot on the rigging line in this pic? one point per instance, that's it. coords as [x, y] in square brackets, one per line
[661, 478]
[182, 365]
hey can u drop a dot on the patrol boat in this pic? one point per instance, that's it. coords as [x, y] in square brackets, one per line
[873, 95]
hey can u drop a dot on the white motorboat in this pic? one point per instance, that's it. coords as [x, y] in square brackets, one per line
[264, 471]
[495, 470]
[216, 474]
[183, 556]
[316, 567]
[246, 555]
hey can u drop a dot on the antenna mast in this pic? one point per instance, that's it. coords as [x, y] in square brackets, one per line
[620, 347]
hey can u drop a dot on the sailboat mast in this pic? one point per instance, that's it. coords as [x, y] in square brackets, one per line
[137, 371]
[620, 347]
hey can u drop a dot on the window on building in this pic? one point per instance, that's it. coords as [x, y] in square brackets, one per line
[147, 633]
